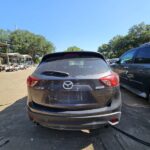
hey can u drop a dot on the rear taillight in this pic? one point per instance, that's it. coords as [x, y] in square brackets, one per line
[32, 81]
[111, 80]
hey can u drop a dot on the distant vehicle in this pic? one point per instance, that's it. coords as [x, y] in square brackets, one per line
[9, 68]
[2, 67]
[22, 66]
[133, 68]
[74, 90]
[112, 61]
[16, 67]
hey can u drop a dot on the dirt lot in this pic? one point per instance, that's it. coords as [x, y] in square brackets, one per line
[13, 85]
[17, 132]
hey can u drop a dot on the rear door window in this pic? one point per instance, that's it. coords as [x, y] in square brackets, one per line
[75, 66]
[143, 56]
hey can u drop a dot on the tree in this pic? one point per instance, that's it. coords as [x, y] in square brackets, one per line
[4, 35]
[137, 35]
[25, 42]
[4, 38]
[105, 49]
[73, 48]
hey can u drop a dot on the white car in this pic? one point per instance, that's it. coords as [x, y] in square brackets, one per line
[9, 68]
[22, 66]
[17, 68]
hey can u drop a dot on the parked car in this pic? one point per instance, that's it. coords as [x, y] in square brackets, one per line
[112, 61]
[16, 68]
[74, 90]
[133, 68]
[2, 67]
[9, 68]
[22, 66]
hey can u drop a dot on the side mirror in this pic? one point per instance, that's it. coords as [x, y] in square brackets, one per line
[118, 61]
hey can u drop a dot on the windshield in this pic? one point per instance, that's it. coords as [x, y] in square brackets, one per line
[75, 66]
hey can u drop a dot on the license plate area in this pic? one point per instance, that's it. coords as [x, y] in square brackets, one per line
[71, 97]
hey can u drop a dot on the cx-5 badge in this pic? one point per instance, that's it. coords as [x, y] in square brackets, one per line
[68, 85]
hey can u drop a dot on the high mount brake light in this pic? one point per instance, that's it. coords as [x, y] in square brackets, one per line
[111, 80]
[71, 55]
[32, 81]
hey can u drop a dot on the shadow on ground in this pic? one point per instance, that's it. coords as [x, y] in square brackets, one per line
[20, 133]
[133, 100]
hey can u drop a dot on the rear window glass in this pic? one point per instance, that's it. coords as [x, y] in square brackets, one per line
[75, 66]
[143, 55]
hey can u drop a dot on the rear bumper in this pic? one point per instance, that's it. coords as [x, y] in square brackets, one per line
[76, 120]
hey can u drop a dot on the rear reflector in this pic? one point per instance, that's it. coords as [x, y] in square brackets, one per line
[111, 80]
[32, 81]
[113, 121]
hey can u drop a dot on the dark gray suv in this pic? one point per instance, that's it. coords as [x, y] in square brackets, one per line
[133, 68]
[74, 90]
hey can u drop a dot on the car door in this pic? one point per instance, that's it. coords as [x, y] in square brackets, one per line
[139, 71]
[123, 66]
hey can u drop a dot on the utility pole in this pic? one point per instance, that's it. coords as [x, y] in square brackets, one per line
[7, 51]
[16, 28]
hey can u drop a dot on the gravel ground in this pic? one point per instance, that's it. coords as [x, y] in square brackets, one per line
[17, 132]
[13, 85]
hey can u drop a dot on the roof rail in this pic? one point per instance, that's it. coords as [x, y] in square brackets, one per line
[145, 44]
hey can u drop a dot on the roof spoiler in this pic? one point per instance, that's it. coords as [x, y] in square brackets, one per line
[72, 54]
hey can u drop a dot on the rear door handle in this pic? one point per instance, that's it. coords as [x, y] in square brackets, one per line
[141, 70]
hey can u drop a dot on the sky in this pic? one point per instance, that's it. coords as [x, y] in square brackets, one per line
[83, 23]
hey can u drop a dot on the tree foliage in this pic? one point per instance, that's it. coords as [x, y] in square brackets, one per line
[25, 42]
[4, 35]
[73, 49]
[137, 35]
[4, 38]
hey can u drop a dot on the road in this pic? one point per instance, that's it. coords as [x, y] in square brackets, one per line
[17, 132]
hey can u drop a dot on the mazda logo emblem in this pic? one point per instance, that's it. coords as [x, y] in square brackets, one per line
[67, 85]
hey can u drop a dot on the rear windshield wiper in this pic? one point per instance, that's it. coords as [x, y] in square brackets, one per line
[55, 73]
